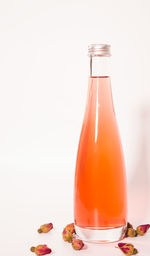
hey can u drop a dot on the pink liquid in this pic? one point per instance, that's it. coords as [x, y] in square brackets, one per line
[100, 183]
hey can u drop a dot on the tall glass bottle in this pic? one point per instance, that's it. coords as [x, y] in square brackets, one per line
[100, 205]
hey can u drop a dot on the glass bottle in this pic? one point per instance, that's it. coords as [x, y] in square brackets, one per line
[100, 204]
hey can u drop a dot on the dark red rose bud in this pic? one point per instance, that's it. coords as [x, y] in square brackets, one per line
[126, 248]
[131, 232]
[77, 244]
[41, 250]
[129, 225]
[67, 236]
[70, 228]
[45, 228]
[142, 229]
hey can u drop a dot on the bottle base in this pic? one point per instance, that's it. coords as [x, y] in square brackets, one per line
[108, 235]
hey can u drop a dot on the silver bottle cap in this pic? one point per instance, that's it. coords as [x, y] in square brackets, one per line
[99, 50]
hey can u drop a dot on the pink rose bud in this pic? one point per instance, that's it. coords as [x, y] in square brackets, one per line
[67, 236]
[70, 228]
[45, 228]
[142, 229]
[77, 244]
[126, 248]
[41, 250]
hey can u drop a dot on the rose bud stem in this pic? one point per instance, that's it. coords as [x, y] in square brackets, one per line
[135, 251]
[32, 249]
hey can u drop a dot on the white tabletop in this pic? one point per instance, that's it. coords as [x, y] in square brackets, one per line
[32, 199]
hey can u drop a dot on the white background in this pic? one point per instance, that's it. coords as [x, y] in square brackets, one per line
[43, 85]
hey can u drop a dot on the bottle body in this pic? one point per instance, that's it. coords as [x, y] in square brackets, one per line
[100, 184]
[100, 196]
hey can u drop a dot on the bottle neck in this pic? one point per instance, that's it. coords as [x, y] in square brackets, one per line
[99, 66]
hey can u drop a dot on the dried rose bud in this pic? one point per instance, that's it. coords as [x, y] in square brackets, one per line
[135, 251]
[131, 232]
[129, 225]
[67, 236]
[41, 250]
[126, 248]
[70, 228]
[45, 228]
[77, 244]
[142, 229]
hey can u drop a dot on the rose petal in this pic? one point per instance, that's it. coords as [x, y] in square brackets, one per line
[121, 244]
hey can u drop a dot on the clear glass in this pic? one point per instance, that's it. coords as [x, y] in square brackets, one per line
[100, 203]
